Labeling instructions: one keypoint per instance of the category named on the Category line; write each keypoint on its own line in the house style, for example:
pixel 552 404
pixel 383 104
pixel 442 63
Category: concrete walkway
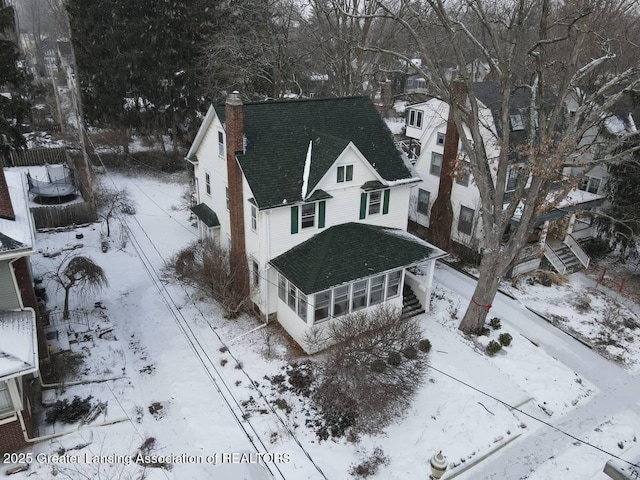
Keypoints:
pixel 618 390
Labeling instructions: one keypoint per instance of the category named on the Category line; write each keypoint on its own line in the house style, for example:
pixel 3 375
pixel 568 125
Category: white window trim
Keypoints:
pixel 308 216
pixel 221 148
pixel 5 395
pixel 343 173
pixel 435 155
pixel 473 214
pixel 207 183
pixel 254 218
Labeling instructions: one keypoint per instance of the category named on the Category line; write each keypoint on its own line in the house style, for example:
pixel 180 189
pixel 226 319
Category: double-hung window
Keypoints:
pixel 415 118
pixel 282 288
pixel 322 303
pixel 465 221
pixel 308 215
pixel 436 164
pixel 376 290
pixel 359 298
pixel 393 284
pixel 345 173
pixel 423 202
pixel 375 201
pixel 221 144
pixel 340 300
pixel 207 182
pixel 254 218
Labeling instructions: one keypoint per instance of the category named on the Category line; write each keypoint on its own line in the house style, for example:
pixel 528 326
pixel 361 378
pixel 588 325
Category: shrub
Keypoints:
pixel 505 339
pixel 370 466
pixel 424 345
pixel 493 347
pixel 65 412
pixel 410 352
pixel 495 323
pixel 484 331
pixel 394 359
pixel 364 381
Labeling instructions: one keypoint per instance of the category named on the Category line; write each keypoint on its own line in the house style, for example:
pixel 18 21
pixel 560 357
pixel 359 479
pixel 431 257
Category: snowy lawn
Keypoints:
pixel 179 380
pixel 588 312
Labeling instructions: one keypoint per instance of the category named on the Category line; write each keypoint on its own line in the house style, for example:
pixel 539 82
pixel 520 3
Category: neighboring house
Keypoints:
pixel 554 237
pixel 314 195
pixel 21 332
pixel 622 120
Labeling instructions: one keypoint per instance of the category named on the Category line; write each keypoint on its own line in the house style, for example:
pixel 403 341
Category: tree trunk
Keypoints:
pixel 483 295
pixel 65 311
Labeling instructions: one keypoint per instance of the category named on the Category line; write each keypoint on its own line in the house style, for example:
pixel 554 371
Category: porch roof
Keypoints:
pixel 350 251
pixel 204 213
pixel 18 344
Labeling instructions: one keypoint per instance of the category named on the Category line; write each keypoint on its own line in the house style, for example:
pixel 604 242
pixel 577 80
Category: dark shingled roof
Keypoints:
pixel 347 252
pixel 208 216
pixel 7 243
pixel 278 135
pixel 490 94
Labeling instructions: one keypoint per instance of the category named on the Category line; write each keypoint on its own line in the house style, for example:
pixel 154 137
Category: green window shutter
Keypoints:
pixel 363 205
pixel 385 202
pixel 294 219
pixel 321 213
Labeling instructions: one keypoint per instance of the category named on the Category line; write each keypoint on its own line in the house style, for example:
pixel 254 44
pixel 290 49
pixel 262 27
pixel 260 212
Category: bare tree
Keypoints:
pixel 334 34
pixel 208 266
pixel 551 50
pixel 111 203
pixel 80 273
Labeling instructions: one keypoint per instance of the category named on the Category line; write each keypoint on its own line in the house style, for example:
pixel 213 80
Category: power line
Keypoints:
pixel 331 317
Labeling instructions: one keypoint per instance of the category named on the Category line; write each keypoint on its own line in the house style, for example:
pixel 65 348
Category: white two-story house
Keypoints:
pixel 315 196
pixel 427 125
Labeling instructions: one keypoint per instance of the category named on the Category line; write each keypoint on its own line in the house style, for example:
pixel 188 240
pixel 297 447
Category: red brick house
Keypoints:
pixel 21 331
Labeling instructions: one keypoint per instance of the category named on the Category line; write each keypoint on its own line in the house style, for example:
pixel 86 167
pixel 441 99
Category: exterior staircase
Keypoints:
pixel 410 304
pixel 566 257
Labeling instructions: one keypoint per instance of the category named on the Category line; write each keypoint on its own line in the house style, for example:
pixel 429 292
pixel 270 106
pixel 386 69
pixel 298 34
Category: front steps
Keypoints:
pixel 411 306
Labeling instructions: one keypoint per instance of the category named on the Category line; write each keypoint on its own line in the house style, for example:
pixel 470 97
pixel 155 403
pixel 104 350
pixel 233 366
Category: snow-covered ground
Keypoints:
pixel 181 381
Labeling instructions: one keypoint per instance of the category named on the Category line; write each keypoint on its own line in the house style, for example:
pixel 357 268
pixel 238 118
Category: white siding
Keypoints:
pixel 9 298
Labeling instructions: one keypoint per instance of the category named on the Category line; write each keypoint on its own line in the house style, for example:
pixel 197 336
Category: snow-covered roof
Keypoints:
pixel 18 234
pixel 575 198
pixel 18 343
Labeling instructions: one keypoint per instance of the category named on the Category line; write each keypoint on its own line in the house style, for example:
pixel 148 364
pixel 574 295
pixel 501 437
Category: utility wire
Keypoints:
pixel 462 382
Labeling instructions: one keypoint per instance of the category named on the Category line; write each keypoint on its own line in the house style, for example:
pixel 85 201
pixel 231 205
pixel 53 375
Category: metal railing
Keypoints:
pixel 577 250
pixel 554 259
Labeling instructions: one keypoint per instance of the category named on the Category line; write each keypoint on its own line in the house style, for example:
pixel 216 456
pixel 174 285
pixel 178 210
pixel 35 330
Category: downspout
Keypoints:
pixel 267 265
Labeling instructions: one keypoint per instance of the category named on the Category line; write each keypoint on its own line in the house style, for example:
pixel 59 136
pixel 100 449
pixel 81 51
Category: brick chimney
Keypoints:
pixel 6 207
pixel 441 218
pixel 234 126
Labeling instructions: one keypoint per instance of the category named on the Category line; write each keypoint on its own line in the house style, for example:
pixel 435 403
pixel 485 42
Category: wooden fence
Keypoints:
pixel 36 156
pixel 63 215
pixel 53 216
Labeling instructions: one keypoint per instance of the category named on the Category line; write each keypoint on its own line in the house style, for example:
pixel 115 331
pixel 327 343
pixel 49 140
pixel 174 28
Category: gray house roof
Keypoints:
pixel 278 135
pixel 350 251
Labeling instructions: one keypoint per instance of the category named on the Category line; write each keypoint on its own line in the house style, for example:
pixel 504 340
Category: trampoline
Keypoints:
pixel 60 187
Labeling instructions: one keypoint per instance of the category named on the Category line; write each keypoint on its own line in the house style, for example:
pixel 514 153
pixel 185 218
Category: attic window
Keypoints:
pixel 221 144
pixel 415 118
pixel 441 137
pixel 345 173
pixel 517 125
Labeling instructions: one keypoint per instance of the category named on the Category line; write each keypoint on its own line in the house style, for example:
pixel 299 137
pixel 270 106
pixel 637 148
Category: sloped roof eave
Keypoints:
pixel 366 250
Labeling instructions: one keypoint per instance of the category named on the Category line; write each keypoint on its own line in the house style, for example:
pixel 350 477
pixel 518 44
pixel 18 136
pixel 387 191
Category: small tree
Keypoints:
pixel 80 272
pixel 113 202
pixel 208 266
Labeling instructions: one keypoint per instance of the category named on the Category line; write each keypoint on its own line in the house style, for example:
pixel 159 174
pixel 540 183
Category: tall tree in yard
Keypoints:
pixel 14 106
pixel 551 50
